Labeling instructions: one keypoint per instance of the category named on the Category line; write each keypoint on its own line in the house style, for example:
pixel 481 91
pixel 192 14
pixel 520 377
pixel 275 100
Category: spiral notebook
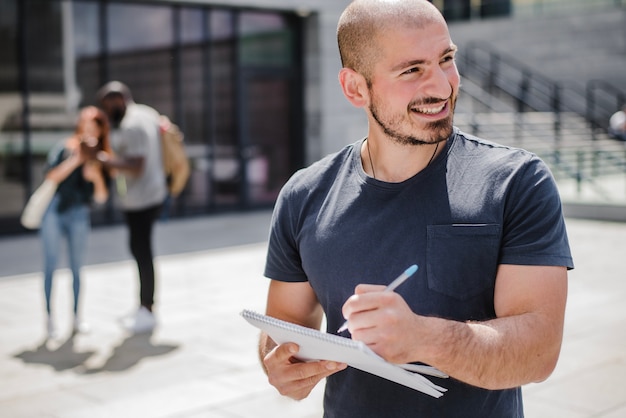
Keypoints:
pixel 316 345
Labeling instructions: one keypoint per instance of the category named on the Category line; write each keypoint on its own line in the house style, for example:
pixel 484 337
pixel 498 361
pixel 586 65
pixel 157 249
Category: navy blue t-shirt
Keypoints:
pixel 476 206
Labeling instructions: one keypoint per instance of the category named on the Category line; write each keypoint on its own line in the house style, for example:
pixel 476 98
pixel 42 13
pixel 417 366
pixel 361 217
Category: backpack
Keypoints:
pixel 175 161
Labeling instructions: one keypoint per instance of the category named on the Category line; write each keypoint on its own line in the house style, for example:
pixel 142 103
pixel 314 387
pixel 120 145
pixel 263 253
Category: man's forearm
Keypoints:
pixel 497 354
pixel 132 165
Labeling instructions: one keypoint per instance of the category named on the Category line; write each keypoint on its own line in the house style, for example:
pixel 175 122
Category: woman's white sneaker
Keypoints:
pixel 50 329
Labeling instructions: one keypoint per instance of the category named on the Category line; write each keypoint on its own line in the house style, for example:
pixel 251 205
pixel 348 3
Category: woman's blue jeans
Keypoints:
pixel 73 225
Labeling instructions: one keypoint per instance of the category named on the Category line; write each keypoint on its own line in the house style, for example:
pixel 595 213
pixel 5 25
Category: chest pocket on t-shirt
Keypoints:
pixel 462 259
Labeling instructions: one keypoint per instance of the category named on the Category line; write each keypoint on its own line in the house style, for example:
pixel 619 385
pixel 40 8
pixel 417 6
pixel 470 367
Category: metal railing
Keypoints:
pixel 590 167
pixel 499 74
pixel 586 162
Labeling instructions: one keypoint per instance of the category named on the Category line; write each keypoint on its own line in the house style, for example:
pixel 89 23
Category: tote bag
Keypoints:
pixel 175 160
pixel 37 205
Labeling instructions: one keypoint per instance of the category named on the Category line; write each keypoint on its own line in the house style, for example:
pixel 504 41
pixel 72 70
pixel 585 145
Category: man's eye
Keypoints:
pixel 411 70
pixel 448 58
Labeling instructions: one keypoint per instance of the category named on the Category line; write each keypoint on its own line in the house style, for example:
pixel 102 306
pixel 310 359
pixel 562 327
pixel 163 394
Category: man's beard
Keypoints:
pixel 116 116
pixel 437 131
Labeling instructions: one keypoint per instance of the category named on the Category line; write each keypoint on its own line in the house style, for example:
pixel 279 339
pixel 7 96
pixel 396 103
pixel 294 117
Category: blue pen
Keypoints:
pixel 390 288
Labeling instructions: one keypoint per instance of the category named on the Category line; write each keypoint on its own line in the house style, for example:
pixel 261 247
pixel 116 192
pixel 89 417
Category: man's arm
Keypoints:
pixel 520 346
pixel 297 303
pixel 136 145
pixel 131 165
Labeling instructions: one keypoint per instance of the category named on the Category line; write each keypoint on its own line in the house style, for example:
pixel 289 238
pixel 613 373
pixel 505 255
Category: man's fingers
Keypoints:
pixel 284 352
pixel 368 288
pixel 294 378
pixel 366 298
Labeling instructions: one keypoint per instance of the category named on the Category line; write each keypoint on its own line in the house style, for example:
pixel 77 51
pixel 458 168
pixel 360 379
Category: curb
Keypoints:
pixel 598 212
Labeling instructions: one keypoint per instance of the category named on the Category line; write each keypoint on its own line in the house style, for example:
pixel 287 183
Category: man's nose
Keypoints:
pixel 438 84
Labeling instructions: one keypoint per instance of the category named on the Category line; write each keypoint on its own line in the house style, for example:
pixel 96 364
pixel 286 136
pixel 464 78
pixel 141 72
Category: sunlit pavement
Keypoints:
pixel 201 360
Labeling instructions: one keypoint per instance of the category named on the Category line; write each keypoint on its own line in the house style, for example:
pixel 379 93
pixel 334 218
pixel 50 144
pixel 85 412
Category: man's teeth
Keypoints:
pixel 430 111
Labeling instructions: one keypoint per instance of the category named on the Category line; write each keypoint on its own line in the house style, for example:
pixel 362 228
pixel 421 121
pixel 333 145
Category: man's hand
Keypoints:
pixel 383 321
pixel 519 346
pixel 89 148
pixel 292 377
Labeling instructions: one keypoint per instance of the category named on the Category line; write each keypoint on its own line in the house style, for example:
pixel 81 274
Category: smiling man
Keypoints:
pixel 482 221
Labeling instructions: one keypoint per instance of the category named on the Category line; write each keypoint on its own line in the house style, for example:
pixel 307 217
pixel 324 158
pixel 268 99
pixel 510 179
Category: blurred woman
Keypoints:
pixel 81 180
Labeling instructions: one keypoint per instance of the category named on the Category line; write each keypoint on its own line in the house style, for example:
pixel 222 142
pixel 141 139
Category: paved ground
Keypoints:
pixel 201 361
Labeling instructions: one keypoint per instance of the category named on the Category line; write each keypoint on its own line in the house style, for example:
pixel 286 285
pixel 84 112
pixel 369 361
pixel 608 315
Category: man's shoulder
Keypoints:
pixel 136 112
pixel 476 141
pixel 475 159
pixel 322 170
pixel 468 145
pixel 140 121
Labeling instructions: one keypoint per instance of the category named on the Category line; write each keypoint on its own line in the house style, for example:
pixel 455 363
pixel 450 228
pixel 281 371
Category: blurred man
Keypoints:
pixel 141 185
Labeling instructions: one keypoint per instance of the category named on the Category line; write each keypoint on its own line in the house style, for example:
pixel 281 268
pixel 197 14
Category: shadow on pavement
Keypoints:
pixel 131 351
pixel 126 355
pixel 62 358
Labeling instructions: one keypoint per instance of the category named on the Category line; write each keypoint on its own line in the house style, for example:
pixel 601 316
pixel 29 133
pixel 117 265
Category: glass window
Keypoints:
pixel 226 78
pixel 192 113
pixel 86 28
pixel 266 133
pixel 12 190
pixel 191 25
pixel 87 49
pixel 137 26
pixel 140 38
pixel 8 52
pixel 221 24
pixel 49 119
pixel 44 45
pixel 193 58
pixel 258 22
pixel 264 40
pixel 225 179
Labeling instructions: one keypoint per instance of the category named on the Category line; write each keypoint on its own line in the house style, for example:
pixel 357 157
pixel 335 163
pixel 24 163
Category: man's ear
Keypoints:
pixel 354 87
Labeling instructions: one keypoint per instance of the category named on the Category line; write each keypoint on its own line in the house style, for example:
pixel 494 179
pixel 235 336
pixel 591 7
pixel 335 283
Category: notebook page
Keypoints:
pixel 316 345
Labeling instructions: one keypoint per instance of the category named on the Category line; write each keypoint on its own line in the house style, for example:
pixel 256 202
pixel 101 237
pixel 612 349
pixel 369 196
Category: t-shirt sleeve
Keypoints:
pixel 136 142
pixel 534 227
pixel 283 260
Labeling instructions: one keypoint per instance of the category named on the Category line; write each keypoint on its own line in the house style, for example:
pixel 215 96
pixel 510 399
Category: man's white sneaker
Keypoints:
pixel 143 321
pixel 80 327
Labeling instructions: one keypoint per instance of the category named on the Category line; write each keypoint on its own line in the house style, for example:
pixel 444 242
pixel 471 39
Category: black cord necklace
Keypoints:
pixel 369 155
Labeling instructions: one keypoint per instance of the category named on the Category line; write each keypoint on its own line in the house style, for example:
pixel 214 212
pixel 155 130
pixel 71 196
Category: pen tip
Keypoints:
pixel 411 269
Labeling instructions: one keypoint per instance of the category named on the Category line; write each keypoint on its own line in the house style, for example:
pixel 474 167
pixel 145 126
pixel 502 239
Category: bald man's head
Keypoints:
pixel 363 20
